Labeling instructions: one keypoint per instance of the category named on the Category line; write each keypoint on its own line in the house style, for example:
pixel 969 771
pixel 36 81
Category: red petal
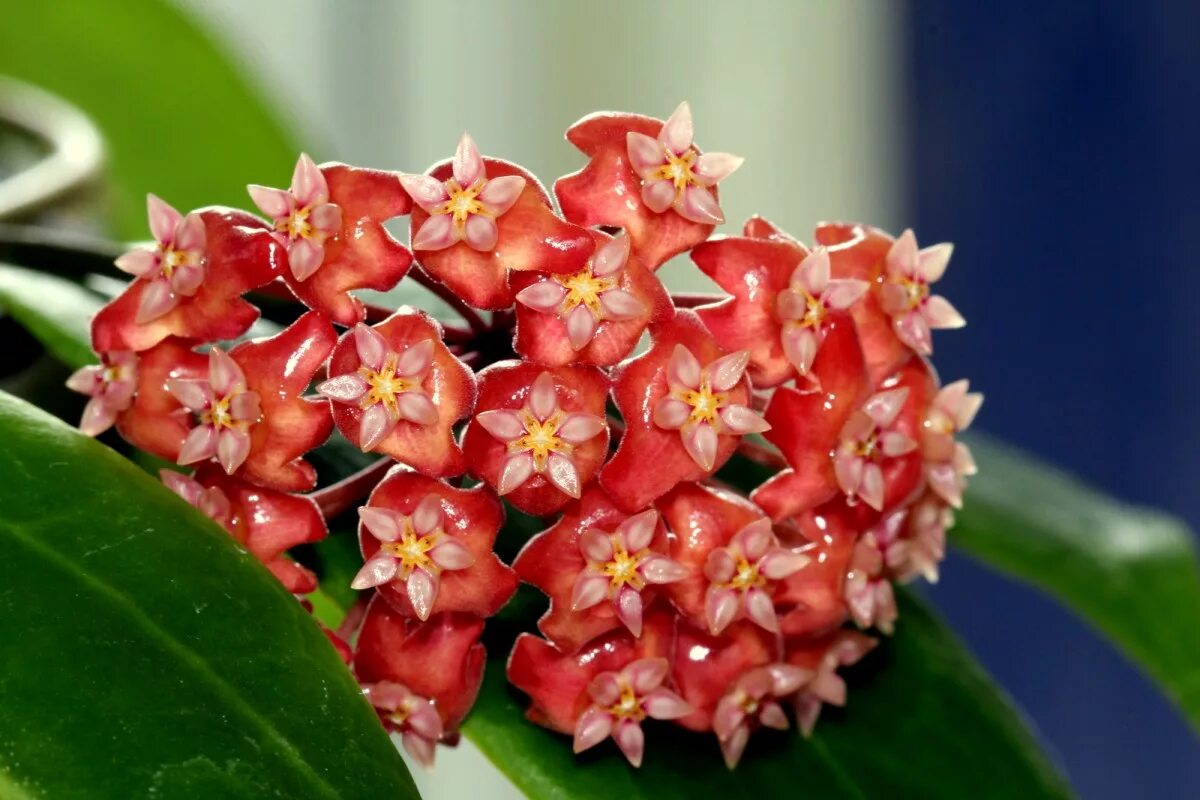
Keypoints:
pixel 705 667
pixel 363 255
pixel 542 337
pixel 473 518
pixel 241 255
pixel 280 369
pixel 556 682
pixel 506 384
pixel 607 192
pixel 858 251
pixel 806 426
pixel 441 659
pixel 430 449
pixel 649 459
pixel 552 561
pixel 266 522
pixel 701 519
pixel 813 599
pixel 757 227
pixel 754 271
pixel 531 238
pixel 156 422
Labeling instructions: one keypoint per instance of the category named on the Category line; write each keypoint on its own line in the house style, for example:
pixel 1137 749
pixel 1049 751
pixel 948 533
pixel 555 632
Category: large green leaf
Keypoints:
pixel 178 118
pixel 56 311
pixel 1131 572
pixel 923 721
pixel 145 655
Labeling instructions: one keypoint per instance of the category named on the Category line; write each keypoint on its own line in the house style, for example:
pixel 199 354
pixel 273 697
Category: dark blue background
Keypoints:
pixel 1055 144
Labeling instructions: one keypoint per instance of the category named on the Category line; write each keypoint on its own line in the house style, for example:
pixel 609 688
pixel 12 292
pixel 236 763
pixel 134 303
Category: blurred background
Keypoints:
pixel 1053 142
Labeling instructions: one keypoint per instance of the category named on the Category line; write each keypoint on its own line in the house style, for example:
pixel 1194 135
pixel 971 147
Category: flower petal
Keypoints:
pixel 195 394
pixel 503 424
pixel 720 608
pixel 701 445
pixel 683 369
pixel 581 327
pixel 422 592
pixel 417 407
pixel 348 388
pixel 578 428
pixel 515 472
pixel 427 192
pixel 544 296
pixel 375 426
pixel 275 203
pixel 371 347
pixel 452 554
pixel 638 530
pixel 427 516
pixel 562 473
pixel 232 449
pixel 499 194
pixel 140 262
pixel 164 219
pixel 665 704
pixel 620 304
pixel 543 397
pixel 671 414
pixel 761 610
pixel 658 195
pixel 660 569
pixel 467 164
pixel 379 569
pixel 677 133
pixel 629 737
pixel 699 204
pixel 611 257
pixel 715 167
pixel 590 589
pixel 308 184
pixel 645 154
pixel 940 314
pixel 741 419
pixel 157 299
pixel 200 445
pixel 436 233
pixel 304 258
pixel 593 727
pixel 842 294
pixel 381 523
pixel 932 261
pixel 629 609
pixel 480 233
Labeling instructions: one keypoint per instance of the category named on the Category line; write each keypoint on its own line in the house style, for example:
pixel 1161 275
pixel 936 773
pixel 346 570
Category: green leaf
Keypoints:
pixel 179 119
pixel 145 655
pixel 56 311
pixel 923 720
pixel 1131 572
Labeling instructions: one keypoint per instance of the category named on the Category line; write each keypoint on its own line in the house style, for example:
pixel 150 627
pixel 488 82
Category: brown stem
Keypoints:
pixel 692 299
pixel 343 495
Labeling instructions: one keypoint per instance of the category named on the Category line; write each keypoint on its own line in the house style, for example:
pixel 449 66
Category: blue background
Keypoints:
pixel 1055 144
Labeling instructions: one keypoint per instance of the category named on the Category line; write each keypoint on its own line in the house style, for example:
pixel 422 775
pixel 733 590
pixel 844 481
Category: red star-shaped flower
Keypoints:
pixel 396 389
pixel 477 218
pixel 594 316
pixel 189 283
pixel 538 435
pixel 428 547
pixel 647 177
pixel 331 222
pixel 600 567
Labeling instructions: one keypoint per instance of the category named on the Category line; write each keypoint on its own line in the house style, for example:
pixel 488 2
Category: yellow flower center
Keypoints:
pixel 296 225
pixel 915 291
pixel 628 706
pixel 867 448
pixel 622 570
pixel 385 385
pixel 814 312
pixel 705 402
pixel 219 415
pixel 463 202
pixel 412 551
pixel 747 576
pixel 584 288
pixel 171 259
pixel 678 170
pixel 541 438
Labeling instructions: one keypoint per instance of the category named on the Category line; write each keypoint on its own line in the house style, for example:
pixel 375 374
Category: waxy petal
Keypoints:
pixel 480 233
pixel 677 132
pixel 164 219
pixel 714 167
pixel 501 193
pixel 467 164
pixel 544 296
pixel 379 569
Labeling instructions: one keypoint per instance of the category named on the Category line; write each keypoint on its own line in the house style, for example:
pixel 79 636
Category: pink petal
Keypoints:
pixel 481 233
pixel 562 473
pixel 452 555
pixel 164 219
pixel 842 294
pixel 913 330
pixel 191 235
pixel 848 469
pixel 589 590
pixel 578 428
pixel 808 708
pixel 421 749
pixel 224 373
pixel 186 280
pixel 754 539
pixel 200 445
pixel 348 388
pixel 422 591
pixel 871 488
pixel 275 203
pixel 701 445
pixel 140 263
pixel 645 154
pixel 683 369
pixel 427 192
pixel 940 314
pixel 375 426
pixel 658 195
pixel 416 359
pixel 544 296
pixel 741 420
pixel 596 546
pixel 379 569
pixel 593 727
pixel 813 272
pixel 728 715
pixel 720 566
pixel 436 233
pixel 629 737
pixel 308 184
pixel 382 523
pixel 610 257
pixel 424 720
pixel 902 255
pixel 638 530
pixel 193 394
pixel 676 133
pixel 885 406
pixel 699 205
pixel 932 261
pixel 98 416
pixel 245 407
pixel 327 218
pixel 505 425
pixel 943 479
pixel 516 471
pixel 761 610
pixel 665 704
pixel 581 327
pixel 671 414
pixel 629 609
pixel 543 397
pixel 781 562
pixel 417 407
pixel 647 674
pixel 427 516
pixel 304 258
pixel 734 745
pixel 790 304
pixel 660 569
pixel 800 346
pixel 893 443
pixel 371 347
pixel 157 299
pixel 620 304
pixel 786 679
pixel 605 689
pixel 714 167
pixel 771 716
pixel 232 449
pixel 499 194
pixel 720 609
pixel 467 164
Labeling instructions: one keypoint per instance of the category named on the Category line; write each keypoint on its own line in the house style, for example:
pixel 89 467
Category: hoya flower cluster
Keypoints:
pixel 670 595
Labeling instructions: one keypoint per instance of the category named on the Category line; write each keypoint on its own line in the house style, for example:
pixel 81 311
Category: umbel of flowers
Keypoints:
pixel 670 595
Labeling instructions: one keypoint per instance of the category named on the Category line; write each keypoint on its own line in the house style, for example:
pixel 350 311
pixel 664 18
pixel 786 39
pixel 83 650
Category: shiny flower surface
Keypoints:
pixel 109 385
